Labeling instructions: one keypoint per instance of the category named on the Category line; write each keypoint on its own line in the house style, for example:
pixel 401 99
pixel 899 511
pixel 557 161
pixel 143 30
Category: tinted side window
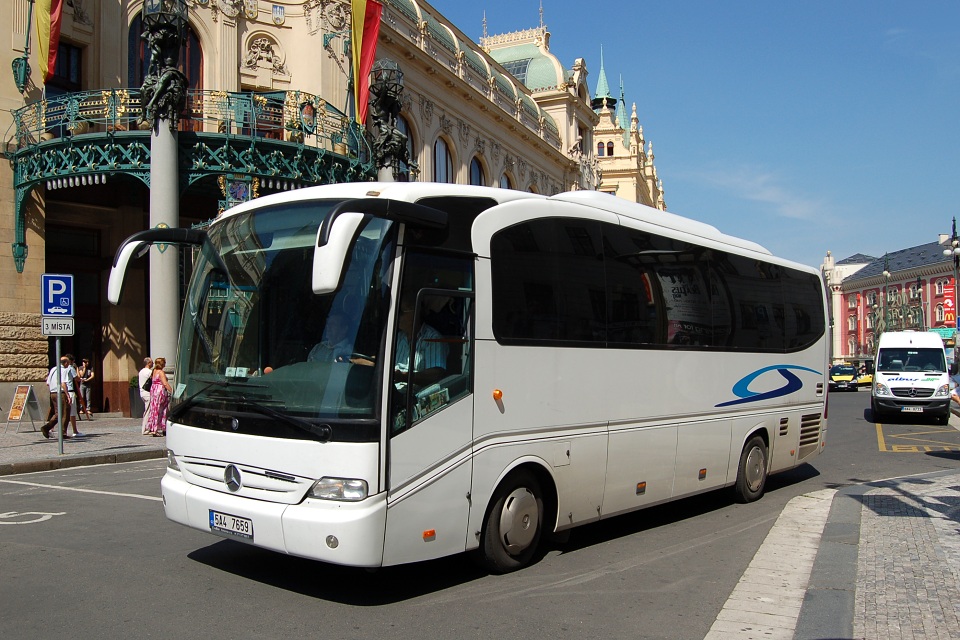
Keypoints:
pixel 757 312
pixel 548 283
pixel 803 312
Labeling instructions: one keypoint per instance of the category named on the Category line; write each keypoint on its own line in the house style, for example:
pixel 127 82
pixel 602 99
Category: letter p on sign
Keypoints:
pixel 56 294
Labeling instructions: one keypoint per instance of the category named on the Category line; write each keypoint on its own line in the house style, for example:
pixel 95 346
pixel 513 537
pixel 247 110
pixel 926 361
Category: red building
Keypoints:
pixel 911 288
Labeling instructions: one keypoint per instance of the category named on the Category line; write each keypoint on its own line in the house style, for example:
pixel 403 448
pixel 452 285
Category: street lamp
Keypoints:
pixel 886 291
pixel 390 143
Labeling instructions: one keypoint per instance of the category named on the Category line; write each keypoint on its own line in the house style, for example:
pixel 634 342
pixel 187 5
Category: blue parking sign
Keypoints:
pixel 56 295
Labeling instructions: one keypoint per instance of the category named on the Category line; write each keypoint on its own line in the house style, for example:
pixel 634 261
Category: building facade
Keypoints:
pixel 268 109
pixel 908 289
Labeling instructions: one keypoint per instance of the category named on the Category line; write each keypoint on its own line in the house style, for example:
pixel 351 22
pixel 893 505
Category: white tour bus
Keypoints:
pixel 575 357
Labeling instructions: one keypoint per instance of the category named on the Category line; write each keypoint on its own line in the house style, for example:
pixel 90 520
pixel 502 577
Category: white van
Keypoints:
pixel 911 376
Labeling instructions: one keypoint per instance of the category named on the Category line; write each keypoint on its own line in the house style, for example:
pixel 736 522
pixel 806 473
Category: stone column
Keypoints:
pixel 163 98
pixel 164 311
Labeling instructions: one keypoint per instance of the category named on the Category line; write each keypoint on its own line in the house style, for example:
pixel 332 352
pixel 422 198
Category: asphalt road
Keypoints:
pixel 87 552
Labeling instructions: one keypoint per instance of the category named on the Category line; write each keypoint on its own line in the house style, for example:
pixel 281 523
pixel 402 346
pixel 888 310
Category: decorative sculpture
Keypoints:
pixel 389 142
pixel 164 91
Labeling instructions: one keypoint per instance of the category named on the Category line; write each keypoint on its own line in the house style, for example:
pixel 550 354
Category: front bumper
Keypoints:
pixel 938 407
pixel 337 532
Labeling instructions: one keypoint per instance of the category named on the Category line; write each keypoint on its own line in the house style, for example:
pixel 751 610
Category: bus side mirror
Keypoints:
pixel 137 245
pixel 329 258
pixel 119 269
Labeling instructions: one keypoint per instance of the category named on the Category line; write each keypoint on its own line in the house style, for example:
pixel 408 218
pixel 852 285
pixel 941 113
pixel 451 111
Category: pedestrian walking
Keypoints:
pixel 146 373
pixel 160 391
pixel 73 388
pixel 58 392
pixel 86 386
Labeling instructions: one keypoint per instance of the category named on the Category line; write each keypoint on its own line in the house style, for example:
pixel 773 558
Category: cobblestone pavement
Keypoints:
pixel 909 560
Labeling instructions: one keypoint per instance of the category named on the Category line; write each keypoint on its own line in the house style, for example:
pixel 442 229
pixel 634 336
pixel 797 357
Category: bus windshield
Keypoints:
pixel 260 353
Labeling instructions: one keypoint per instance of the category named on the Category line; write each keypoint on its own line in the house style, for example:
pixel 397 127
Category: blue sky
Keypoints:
pixel 804 126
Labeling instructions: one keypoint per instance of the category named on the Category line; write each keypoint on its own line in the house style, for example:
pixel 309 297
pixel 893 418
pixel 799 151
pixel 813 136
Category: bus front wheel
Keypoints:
pixel 513 524
pixel 752 472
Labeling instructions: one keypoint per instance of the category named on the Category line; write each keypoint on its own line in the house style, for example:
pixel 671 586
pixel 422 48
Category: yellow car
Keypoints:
pixel 843 377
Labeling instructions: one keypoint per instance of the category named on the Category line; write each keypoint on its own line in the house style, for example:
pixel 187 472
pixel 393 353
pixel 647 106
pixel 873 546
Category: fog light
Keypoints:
pixel 332 542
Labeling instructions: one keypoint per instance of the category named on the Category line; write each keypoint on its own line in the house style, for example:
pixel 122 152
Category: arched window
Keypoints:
pixel 477 176
pixel 940 315
pixel 869 321
pixel 191 64
pixel 442 162
pixel 851 346
pixel 940 284
pixel 599 148
pixel 610 148
pixel 852 323
pixel 505 182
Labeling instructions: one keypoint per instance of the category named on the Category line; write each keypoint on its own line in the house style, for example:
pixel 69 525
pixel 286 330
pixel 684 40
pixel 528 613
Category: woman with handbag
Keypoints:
pixel 144 380
pixel 160 391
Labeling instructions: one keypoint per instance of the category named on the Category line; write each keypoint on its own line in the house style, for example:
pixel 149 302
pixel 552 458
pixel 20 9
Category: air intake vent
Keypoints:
pixel 784 426
pixel 809 434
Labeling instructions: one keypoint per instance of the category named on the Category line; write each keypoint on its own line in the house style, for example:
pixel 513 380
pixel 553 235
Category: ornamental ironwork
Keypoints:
pixel 284 139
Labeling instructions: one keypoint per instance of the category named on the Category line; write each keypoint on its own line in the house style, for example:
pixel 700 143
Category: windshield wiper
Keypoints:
pixel 188 402
pixel 323 431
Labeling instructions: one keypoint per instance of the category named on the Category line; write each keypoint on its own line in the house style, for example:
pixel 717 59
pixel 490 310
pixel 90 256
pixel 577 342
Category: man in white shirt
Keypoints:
pixel 145 374
pixel 59 392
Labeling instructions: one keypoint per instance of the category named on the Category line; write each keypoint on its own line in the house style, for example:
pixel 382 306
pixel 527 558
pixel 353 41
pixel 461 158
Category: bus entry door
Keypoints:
pixel 430 464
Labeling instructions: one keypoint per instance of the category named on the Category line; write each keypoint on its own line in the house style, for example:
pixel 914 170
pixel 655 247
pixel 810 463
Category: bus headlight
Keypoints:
pixel 172 461
pixel 943 391
pixel 880 389
pixel 342 489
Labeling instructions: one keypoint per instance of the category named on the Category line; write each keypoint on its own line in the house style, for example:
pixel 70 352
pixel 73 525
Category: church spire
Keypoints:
pixel 602 97
pixel 622 109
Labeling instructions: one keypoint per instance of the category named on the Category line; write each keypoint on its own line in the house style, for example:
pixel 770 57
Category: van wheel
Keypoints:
pixel 513 524
pixel 752 471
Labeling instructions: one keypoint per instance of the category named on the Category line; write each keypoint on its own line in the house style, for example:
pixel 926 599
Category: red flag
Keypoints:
pixel 364 51
pixel 49 14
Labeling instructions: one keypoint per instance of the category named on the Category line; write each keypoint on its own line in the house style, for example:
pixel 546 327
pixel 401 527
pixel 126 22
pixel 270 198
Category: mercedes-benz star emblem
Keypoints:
pixel 231 475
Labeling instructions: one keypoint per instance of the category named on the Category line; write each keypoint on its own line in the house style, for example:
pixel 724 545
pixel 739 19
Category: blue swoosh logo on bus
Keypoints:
pixel 742 388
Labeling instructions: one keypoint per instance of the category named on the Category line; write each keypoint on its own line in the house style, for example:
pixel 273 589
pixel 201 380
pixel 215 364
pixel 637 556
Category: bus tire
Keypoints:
pixel 752 471
pixel 514 522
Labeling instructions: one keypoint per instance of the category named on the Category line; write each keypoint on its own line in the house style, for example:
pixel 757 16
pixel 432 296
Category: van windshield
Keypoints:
pixel 896 360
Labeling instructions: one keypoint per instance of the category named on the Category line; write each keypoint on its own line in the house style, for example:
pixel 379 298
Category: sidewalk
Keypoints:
pixel 877 561
pixel 108 438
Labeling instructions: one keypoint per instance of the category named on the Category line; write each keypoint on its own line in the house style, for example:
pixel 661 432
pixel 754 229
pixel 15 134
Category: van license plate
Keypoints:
pixel 912 409
pixel 233 525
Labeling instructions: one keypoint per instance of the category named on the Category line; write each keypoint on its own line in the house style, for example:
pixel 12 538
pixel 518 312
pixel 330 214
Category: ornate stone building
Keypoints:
pixel 267 109
pixel 625 160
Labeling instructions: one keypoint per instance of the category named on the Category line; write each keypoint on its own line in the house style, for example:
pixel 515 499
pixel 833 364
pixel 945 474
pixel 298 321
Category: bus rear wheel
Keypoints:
pixel 752 471
pixel 512 529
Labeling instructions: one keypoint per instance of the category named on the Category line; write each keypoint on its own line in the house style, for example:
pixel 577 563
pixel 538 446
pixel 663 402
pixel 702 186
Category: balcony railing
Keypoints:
pixel 293 116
